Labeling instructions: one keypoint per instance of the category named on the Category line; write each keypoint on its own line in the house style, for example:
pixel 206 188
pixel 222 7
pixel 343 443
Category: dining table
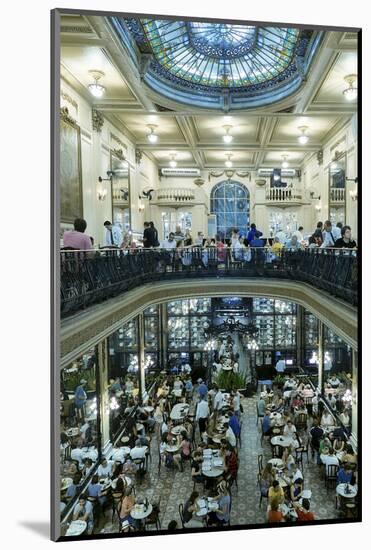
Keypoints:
pixel 346 490
pixel 76 528
pixel 179 411
pixel 212 464
pixel 206 505
pixel 282 440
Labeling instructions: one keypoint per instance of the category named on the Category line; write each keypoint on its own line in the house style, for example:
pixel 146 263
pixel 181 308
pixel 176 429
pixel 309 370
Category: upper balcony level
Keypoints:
pixel 337 196
pixel 120 195
pixel 282 196
pixel 87 278
pixel 175 197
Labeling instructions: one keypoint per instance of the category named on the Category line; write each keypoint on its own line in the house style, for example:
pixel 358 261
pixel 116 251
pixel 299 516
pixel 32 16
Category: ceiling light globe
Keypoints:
pixel 228 163
pixel 285 164
pixel 97 90
pixel 152 138
pixel 303 140
pixel 227 138
pixel 350 94
pixel 173 164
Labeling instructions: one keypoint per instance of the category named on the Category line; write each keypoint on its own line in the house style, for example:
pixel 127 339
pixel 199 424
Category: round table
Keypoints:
pixel 73 432
pixel 76 528
pixel 139 513
pixel 120 454
pixel 275 416
pixel 227 368
pixel 211 466
pixel 172 448
pixel 149 409
pixel 179 411
pixel 125 439
pixel 66 482
pixel 206 505
pixel 341 490
pixel 282 440
pixel 140 427
pixel 177 429
pixel 276 463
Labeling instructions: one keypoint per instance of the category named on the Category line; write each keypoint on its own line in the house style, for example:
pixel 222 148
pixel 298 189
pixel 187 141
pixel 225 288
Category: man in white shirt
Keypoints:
pixel 104 468
pixel 332 401
pixel 113 235
pixel 229 435
pixel 289 430
pixel 169 243
pixel 328 238
pixel 299 234
pixel 280 365
pixel 218 401
pixel 329 459
pixel 138 451
pixel 202 414
pixel 178 384
pixel 237 403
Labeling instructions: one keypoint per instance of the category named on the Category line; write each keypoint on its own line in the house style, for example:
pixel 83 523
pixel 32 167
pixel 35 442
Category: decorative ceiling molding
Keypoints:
pixel 119 141
pixel 69 100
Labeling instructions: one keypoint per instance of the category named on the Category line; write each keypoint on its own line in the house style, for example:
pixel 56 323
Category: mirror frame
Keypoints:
pixel 117 154
pixel 338 156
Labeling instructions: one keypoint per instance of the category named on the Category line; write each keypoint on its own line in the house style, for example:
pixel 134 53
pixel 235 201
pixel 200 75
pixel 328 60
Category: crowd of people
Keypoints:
pixel 326 235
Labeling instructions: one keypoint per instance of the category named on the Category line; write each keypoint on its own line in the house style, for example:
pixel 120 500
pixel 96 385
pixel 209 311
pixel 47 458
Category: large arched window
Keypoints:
pixel 230 201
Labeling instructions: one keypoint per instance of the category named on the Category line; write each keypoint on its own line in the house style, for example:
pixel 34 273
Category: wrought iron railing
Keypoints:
pixel 89 277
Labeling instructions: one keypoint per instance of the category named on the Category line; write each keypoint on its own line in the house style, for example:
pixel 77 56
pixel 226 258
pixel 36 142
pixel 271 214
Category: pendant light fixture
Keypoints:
pixel 227 138
pixel 173 163
pixel 351 92
pixel 303 138
pixel 228 163
pixel 152 136
pixel 284 164
pixel 96 89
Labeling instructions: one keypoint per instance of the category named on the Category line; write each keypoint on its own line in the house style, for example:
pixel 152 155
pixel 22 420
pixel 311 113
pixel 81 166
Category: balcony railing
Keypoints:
pixel 337 195
pixel 293 195
pixel 89 277
pixel 120 194
pixel 178 196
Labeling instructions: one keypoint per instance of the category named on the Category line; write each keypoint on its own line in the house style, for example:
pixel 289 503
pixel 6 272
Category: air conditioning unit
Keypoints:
pixel 285 172
pixel 180 172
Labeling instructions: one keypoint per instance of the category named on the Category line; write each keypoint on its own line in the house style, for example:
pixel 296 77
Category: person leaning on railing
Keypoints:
pixel 76 239
pixel 346 238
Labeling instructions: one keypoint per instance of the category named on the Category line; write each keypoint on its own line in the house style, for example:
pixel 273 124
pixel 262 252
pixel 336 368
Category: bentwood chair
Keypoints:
pixel 331 473
pixel 181 515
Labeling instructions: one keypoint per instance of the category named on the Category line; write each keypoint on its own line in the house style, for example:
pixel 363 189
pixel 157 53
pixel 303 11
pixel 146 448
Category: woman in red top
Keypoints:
pixel 231 464
pixel 274 514
pixel 303 511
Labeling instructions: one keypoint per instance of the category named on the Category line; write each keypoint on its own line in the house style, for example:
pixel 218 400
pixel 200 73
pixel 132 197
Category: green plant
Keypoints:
pixel 279 380
pixel 228 380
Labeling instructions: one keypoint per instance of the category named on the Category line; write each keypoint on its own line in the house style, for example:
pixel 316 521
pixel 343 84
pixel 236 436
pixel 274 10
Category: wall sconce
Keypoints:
pixel 102 194
pixel 141 207
pixel 353 194
pixel 318 207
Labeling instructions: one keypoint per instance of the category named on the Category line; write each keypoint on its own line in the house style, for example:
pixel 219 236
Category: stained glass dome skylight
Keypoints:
pixel 220 65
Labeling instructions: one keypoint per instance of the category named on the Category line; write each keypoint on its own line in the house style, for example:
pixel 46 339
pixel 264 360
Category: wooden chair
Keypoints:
pixel 239 441
pixel 277 451
pixel 154 517
pixel 262 494
pixel 260 465
pixel 331 472
pixel 181 515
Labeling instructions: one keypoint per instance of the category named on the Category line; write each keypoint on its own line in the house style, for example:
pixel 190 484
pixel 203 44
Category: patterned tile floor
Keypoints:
pixel 175 487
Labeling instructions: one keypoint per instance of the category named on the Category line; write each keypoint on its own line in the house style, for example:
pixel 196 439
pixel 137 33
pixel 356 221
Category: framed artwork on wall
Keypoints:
pixel 70 169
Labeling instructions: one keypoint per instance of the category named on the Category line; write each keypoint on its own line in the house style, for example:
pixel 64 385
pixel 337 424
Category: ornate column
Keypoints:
pixel 103 397
pixel 163 335
pixel 321 357
pixel 354 436
pixel 141 359
pixel 300 336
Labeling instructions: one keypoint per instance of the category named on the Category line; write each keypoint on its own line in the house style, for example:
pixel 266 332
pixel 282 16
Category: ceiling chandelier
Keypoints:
pixel 284 164
pixel 351 92
pixel 227 138
pixel 303 138
pixel 97 90
pixel 173 163
pixel 228 163
pixel 152 137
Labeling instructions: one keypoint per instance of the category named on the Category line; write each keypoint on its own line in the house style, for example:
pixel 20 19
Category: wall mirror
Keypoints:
pixel 120 168
pixel 337 189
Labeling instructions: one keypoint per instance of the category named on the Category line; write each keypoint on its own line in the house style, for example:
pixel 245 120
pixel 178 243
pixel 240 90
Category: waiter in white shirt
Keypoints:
pixel 113 235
